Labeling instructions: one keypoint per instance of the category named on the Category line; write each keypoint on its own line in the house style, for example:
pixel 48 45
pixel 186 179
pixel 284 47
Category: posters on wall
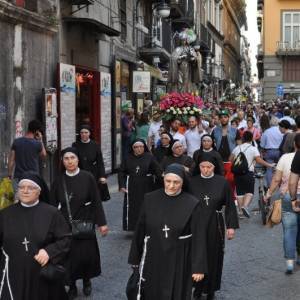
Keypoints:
pixel 141 82
pixel 67 104
pixel 106 137
pixel 118 76
pixel 50 98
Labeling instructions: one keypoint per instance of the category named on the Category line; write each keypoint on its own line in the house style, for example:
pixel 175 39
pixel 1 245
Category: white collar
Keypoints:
pixel 208 177
pixel 211 149
pixel 86 141
pixel 73 174
pixel 30 205
pixel 174 194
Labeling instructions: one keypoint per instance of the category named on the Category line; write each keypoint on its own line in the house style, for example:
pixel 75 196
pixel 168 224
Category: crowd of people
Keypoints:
pixel 186 189
pixel 220 148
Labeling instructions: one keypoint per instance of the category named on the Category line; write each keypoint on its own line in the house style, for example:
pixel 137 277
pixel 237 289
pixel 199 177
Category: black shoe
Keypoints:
pixel 246 212
pixel 72 293
pixel 87 287
pixel 288 272
pixel 210 296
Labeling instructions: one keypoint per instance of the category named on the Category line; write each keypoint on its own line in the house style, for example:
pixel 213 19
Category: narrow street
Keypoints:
pixel 253 269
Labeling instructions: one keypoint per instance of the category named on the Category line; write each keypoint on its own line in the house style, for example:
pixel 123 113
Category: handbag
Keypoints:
pixel 52 272
pixel 104 192
pixel 81 230
pixel 274 215
pixel 132 287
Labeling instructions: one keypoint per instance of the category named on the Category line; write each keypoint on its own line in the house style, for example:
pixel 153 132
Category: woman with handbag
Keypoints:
pixel 75 193
pixel 290 219
pixel 168 250
pixel 91 159
pixel 35 240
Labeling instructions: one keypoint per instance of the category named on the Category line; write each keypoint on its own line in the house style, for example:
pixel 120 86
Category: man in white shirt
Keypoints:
pixel 193 136
pixel 241 117
pixel 153 133
pixel 287 116
pixel 176 134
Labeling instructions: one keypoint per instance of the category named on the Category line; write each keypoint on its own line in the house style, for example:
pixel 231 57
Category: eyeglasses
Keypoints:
pixel 28 188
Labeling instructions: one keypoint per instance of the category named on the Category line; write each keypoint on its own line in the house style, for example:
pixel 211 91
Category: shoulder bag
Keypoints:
pixel 274 215
pixel 81 230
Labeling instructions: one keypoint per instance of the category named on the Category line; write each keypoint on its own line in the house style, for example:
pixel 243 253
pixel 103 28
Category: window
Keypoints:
pixel 156 30
pixel 291 29
pixel 123 18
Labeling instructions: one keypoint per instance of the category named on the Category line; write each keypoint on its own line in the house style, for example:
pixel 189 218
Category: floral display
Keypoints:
pixel 180 105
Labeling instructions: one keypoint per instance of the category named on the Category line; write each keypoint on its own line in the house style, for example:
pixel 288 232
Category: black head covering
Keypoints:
pixel 206 156
pixel 179 170
pixel 169 135
pixel 69 149
pixel 213 142
pixel 146 149
pixel 170 150
pixel 176 169
pixel 86 127
pixel 44 195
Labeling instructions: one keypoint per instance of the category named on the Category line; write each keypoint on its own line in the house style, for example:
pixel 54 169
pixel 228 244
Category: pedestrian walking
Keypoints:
pixel 174 131
pixel 285 129
pixel 255 131
pixel 26 152
pixel 166 139
pixel 176 155
pixel 208 146
pixel 290 218
pixel 136 178
pixel 288 145
pixel 34 238
pixel 75 192
pixel 270 143
pixel 244 174
pixel 127 131
pixel 154 130
pixel 90 155
pixel 169 245
pixel 142 126
pixel 214 192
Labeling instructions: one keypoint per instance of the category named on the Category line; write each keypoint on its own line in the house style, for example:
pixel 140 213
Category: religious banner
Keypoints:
pixel 67 105
pixel 141 82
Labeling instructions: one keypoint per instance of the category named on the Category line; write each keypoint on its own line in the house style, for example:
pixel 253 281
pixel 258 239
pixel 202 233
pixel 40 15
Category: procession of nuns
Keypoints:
pixel 177 222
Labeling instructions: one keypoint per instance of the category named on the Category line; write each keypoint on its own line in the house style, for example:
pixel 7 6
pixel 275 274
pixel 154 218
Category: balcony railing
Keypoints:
pixel 288 48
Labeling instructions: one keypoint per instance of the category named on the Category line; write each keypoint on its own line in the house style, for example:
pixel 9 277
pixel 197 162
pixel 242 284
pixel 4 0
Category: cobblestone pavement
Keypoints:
pixel 253 269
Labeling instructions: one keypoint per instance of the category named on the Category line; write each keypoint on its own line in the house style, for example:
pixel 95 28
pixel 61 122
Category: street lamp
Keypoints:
pixel 163 9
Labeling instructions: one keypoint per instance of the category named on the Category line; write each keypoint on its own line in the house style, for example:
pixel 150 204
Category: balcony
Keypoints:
pixel 82 2
pixel 260 5
pixel 288 48
pixel 178 8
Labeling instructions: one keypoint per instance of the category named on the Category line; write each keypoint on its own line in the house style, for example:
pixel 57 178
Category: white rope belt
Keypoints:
pixel 6 275
pixel 183 237
pixel 142 266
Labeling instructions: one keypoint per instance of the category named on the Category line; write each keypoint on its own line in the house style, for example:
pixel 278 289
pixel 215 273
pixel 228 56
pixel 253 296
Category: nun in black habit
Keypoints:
pixel 85 205
pixel 136 178
pixel 176 155
pixel 169 243
pixel 33 237
pixel 203 187
pixel 90 155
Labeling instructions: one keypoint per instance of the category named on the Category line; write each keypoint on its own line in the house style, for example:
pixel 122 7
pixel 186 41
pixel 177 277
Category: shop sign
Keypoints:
pixel 141 82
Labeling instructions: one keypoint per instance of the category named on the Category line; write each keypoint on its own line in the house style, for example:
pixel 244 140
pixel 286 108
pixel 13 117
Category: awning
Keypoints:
pixel 99 27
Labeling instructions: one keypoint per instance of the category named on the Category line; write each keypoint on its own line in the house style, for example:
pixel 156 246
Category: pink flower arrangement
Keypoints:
pixel 180 105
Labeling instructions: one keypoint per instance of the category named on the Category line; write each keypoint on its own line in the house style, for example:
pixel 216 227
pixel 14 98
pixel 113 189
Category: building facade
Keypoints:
pixel 278 56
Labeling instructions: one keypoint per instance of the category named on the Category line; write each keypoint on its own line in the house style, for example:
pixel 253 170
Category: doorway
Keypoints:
pixel 88 101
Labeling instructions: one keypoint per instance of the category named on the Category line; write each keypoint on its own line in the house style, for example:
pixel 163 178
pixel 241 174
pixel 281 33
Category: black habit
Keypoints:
pixel 86 205
pixel 160 152
pixel 219 168
pixel 169 245
pixel 90 158
pixel 137 176
pixel 23 232
pixel 214 193
pixel 184 160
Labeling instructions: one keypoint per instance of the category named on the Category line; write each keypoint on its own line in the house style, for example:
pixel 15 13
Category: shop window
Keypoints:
pixel 123 20
pixel 291 69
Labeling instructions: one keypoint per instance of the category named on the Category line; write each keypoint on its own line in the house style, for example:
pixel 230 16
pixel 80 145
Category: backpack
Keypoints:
pixel 240 164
